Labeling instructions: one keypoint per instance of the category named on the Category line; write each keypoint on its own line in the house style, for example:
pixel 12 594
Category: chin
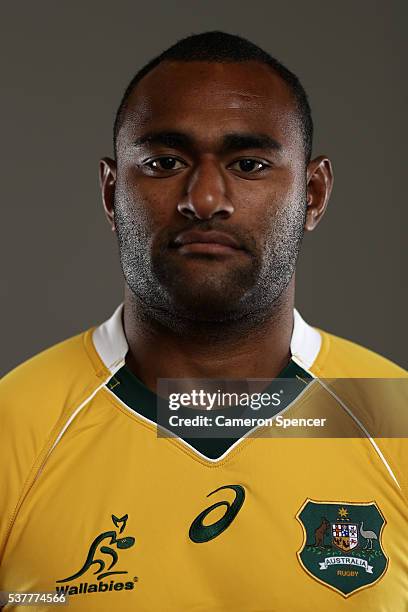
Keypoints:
pixel 203 292
pixel 207 305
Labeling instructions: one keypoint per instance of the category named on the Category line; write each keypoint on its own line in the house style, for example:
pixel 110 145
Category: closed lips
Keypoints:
pixel 209 237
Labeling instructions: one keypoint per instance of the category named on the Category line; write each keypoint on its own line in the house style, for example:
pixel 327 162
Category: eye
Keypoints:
pixel 165 163
pixel 249 165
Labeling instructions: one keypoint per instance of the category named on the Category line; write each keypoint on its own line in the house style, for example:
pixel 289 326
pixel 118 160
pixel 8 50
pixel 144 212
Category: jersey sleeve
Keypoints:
pixel 35 398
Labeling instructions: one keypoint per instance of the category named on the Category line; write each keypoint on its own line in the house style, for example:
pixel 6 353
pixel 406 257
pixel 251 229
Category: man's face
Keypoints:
pixel 210 194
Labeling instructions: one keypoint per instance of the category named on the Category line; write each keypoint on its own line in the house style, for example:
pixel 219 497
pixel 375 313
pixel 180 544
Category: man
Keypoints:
pixel 210 191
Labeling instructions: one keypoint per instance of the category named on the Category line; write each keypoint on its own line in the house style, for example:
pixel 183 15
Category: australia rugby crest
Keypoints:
pixel 342 545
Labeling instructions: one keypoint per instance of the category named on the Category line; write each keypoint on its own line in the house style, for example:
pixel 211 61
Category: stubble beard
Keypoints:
pixel 244 293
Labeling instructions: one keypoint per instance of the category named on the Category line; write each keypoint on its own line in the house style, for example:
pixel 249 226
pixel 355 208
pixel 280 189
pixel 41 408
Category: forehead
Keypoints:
pixel 207 99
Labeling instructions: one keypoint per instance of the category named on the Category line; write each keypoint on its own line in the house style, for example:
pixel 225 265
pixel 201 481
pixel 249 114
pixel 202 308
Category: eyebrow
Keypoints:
pixel 236 142
pixel 230 142
pixel 174 140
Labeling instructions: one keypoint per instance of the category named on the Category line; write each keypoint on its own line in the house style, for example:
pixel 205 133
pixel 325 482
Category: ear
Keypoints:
pixel 319 186
pixel 107 181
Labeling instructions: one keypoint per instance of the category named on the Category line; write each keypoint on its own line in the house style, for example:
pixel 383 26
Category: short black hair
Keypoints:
pixel 221 47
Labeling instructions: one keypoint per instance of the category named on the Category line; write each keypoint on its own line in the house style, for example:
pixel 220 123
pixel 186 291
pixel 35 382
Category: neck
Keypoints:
pixel 256 346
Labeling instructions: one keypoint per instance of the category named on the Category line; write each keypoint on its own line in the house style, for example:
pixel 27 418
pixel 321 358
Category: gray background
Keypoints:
pixel 65 66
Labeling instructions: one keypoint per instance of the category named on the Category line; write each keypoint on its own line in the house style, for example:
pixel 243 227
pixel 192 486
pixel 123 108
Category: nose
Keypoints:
pixel 205 194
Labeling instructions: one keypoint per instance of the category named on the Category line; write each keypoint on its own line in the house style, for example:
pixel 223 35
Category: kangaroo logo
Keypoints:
pixel 120 543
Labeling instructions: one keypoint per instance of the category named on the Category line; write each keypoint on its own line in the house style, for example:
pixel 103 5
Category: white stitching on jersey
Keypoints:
pixel 73 415
pixel 195 451
pixel 374 444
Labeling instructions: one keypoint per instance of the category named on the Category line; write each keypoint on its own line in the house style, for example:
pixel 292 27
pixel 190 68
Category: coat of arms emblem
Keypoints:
pixel 342 544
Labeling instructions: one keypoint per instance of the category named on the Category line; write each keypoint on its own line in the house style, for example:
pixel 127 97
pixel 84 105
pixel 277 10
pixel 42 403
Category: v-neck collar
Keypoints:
pixel 111 345
pixel 292 381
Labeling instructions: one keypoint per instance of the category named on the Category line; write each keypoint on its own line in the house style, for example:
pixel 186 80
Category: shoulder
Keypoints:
pixel 38 393
pixel 54 373
pixel 341 358
pixel 36 398
pixel 344 360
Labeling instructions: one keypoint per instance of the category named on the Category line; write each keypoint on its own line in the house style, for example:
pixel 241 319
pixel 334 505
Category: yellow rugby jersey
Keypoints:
pixel 96 506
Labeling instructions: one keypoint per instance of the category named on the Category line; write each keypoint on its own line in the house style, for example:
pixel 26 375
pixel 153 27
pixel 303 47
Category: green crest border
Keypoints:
pixel 347 503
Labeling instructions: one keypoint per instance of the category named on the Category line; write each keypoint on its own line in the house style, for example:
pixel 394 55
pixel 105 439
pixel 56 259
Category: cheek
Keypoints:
pixel 151 202
pixel 290 183
pixel 266 209
pixel 258 202
pixel 287 194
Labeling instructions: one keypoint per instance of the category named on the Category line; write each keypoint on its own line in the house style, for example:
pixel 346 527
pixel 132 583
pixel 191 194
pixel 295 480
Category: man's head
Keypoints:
pixel 212 185
pixel 223 48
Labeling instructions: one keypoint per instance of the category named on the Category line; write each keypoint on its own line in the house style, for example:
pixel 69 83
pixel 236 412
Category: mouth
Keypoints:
pixel 206 243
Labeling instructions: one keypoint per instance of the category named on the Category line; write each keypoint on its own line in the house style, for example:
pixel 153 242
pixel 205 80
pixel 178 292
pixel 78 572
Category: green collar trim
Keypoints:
pixel 141 400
